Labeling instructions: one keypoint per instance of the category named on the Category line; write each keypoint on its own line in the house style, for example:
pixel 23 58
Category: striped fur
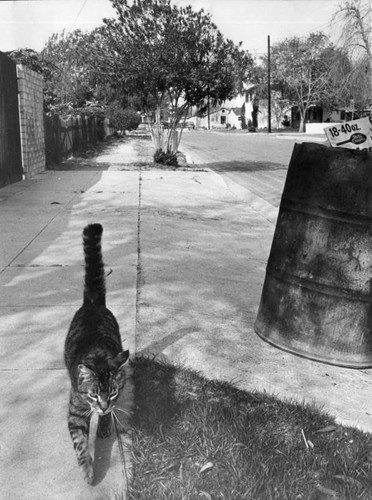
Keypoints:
pixel 93 356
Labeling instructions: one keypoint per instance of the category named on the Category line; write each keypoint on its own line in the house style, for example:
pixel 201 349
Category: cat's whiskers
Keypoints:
pixel 119 428
pixel 118 425
pixel 120 409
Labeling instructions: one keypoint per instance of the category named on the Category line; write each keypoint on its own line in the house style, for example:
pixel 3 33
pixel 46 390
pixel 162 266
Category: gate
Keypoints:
pixel 10 141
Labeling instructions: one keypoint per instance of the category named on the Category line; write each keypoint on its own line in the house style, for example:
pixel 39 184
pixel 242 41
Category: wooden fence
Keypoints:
pixel 67 136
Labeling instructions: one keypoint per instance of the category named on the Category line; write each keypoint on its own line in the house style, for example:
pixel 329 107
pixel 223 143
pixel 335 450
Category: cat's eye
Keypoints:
pixel 92 395
pixel 113 395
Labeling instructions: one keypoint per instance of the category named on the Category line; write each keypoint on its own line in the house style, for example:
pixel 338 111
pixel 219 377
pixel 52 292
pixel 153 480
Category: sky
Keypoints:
pixel 29 23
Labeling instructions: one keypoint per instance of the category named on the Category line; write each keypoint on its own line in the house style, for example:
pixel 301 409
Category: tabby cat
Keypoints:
pixel 93 356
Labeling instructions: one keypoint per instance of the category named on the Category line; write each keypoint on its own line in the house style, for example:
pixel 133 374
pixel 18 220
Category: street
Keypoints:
pixel 257 162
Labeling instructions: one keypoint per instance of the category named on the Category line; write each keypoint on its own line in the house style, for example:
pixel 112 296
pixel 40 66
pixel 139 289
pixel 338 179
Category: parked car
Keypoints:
pixel 190 125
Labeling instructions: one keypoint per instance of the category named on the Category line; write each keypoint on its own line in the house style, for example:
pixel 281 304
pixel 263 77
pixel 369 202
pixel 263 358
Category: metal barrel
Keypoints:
pixel 317 295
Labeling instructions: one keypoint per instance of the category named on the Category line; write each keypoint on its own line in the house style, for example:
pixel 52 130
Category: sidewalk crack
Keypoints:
pixel 36 235
pixel 139 263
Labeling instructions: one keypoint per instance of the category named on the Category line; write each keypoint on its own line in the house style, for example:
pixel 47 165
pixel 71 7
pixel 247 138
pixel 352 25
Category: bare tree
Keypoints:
pixel 300 70
pixel 355 19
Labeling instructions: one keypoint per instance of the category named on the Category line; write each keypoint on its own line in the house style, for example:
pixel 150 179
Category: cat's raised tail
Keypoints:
pixel 94 283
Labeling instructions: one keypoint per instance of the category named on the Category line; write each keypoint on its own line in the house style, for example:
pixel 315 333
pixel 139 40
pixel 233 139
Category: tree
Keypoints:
pixel 168 57
pixel 34 61
pixel 301 69
pixel 354 16
pixel 355 19
pixel 69 56
pixel 29 58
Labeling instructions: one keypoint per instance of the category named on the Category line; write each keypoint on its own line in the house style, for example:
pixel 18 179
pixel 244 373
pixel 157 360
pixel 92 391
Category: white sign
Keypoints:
pixel 356 134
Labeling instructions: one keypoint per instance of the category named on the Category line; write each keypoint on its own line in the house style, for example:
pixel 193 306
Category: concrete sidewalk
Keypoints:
pixel 188 254
pixel 41 281
pixel 204 248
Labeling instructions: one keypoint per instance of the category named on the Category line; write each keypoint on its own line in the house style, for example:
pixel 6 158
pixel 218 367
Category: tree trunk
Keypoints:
pixel 157 131
pixel 302 121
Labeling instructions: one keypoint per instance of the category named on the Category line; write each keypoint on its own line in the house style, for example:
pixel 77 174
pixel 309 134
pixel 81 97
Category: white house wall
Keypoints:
pixel 215 119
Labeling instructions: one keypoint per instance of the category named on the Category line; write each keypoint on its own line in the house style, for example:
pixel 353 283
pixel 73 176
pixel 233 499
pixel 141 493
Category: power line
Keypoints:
pixel 259 52
pixel 78 14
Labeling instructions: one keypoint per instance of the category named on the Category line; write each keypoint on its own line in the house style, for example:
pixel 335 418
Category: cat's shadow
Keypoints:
pixel 102 457
pixel 107 450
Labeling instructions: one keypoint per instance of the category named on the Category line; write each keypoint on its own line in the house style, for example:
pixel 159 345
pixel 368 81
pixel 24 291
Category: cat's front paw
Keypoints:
pixel 87 471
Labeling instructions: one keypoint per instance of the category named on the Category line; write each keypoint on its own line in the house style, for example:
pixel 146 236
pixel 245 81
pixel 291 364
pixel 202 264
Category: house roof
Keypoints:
pixel 228 109
pixel 203 115
pixel 236 102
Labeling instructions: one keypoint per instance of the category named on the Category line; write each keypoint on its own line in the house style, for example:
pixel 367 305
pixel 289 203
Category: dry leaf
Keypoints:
pixel 328 428
pixel 326 491
pixel 205 495
pixel 205 467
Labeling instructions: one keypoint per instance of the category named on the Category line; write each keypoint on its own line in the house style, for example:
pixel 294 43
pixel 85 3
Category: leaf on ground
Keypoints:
pixel 328 428
pixel 205 467
pixel 205 495
pixel 331 494
pixel 192 394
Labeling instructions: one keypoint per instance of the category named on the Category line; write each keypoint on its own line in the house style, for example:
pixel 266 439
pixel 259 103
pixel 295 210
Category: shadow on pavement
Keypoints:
pixel 41 277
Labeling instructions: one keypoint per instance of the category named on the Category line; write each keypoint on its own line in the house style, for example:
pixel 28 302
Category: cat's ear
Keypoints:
pixel 120 360
pixel 119 363
pixel 86 374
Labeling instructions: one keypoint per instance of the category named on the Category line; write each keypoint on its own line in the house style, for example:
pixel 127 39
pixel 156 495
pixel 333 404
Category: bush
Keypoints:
pixel 122 119
pixel 165 158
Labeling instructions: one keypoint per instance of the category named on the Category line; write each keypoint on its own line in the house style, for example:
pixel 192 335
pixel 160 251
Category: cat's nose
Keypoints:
pixel 104 405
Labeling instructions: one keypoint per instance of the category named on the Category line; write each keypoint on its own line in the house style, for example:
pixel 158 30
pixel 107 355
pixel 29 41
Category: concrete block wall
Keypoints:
pixel 30 88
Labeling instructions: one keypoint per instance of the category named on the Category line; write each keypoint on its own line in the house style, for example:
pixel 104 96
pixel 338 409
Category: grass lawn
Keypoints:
pixel 195 438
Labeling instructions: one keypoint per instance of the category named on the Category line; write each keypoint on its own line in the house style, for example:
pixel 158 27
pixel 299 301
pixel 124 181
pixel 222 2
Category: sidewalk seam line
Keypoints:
pixel 36 235
pixel 139 263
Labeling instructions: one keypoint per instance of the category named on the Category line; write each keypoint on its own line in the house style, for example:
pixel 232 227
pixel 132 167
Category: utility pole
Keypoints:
pixel 268 86
pixel 209 114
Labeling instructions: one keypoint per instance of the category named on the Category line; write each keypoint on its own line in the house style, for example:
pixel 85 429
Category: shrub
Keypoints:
pixel 122 119
pixel 165 158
